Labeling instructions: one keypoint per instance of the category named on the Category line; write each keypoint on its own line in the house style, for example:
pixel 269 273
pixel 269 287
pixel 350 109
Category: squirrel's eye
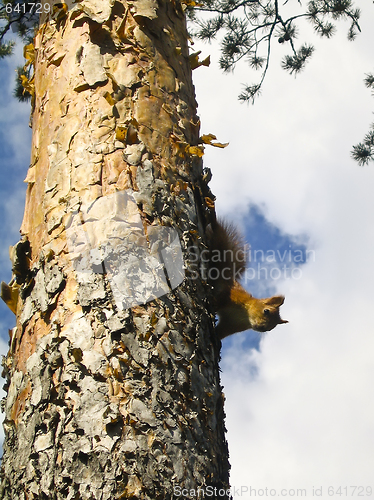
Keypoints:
pixel 266 311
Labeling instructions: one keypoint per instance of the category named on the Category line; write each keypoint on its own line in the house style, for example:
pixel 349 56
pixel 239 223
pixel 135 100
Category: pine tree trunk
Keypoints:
pixel 113 392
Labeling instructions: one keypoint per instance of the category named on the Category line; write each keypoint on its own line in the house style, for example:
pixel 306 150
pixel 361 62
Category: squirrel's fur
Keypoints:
pixel 237 309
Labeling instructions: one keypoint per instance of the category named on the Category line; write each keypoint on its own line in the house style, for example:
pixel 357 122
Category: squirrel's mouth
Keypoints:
pixel 261 329
pixel 267 328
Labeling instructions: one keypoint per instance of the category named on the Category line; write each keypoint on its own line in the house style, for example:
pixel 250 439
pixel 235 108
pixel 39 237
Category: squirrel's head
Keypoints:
pixel 264 313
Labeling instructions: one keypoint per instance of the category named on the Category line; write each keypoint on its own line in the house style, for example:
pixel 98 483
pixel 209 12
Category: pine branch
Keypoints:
pixel 294 64
pixel 6 49
pixel 363 152
pixel 369 81
pixel 19 91
pixel 247 25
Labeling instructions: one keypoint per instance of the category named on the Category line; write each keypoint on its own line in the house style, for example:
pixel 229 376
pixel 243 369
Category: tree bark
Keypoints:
pixel 113 392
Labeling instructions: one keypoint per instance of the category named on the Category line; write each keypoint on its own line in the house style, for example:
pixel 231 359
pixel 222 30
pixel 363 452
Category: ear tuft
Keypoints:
pixel 276 301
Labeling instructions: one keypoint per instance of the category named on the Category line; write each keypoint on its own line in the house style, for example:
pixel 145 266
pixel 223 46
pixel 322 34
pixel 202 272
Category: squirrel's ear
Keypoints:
pixel 276 301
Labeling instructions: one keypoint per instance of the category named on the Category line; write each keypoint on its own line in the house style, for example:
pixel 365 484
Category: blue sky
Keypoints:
pixel 299 406
pixel 273 254
pixel 15 141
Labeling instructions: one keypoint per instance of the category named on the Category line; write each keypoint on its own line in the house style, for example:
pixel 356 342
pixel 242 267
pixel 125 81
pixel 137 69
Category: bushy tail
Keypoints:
pixel 227 260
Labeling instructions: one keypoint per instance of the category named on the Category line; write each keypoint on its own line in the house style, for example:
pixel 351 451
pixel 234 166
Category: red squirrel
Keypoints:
pixel 237 309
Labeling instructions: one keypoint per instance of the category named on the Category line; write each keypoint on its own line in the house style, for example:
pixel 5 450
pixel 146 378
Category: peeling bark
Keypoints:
pixel 106 401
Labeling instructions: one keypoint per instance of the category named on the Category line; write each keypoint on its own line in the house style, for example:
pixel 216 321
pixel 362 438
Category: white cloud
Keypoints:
pixel 307 416
pixel 300 413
